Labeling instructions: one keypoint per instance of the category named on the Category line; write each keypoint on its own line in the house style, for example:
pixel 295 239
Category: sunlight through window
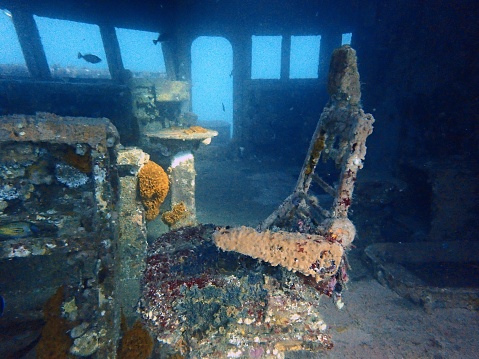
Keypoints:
pixel 346 38
pixel 266 57
pixel 12 61
pixel 304 60
pixel 212 81
pixel 64 41
pixel 139 53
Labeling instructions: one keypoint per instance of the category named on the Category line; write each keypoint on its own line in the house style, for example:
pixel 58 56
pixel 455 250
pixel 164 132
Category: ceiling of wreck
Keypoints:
pixel 205 16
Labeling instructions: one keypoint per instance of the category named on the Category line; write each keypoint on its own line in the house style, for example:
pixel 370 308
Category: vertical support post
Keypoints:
pixel 285 56
pixel 170 63
pixel 113 54
pixel 242 52
pixel 31 45
pixel 183 58
pixel 182 189
pixel 108 321
pixel 132 239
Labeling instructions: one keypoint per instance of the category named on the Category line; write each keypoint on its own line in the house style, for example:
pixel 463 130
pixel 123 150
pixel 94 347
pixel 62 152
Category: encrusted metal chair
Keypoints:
pixel 340 136
pixel 317 249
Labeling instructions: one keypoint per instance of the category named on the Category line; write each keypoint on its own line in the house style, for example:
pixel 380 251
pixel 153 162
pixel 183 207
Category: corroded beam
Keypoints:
pixel 31 44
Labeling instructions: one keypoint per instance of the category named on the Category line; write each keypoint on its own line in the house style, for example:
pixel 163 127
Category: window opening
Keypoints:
pixel 12 62
pixel 139 54
pixel 266 57
pixel 346 38
pixel 212 83
pixel 304 57
pixel 73 49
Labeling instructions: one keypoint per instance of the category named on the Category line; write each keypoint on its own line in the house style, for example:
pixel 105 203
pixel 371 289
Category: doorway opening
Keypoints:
pixel 212 83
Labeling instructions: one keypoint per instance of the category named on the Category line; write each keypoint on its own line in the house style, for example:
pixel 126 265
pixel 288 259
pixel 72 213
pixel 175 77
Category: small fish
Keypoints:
pixel 222 104
pixel 17 230
pixel 7 13
pixel 162 38
pixel 92 59
pixel 2 305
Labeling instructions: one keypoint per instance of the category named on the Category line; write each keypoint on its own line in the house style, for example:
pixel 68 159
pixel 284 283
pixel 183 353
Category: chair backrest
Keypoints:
pixel 340 136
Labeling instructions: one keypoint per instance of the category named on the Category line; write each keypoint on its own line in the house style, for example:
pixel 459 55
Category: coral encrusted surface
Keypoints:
pixel 201 302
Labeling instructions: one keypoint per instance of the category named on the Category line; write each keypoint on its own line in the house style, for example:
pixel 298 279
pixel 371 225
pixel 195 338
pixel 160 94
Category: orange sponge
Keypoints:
pixel 154 186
